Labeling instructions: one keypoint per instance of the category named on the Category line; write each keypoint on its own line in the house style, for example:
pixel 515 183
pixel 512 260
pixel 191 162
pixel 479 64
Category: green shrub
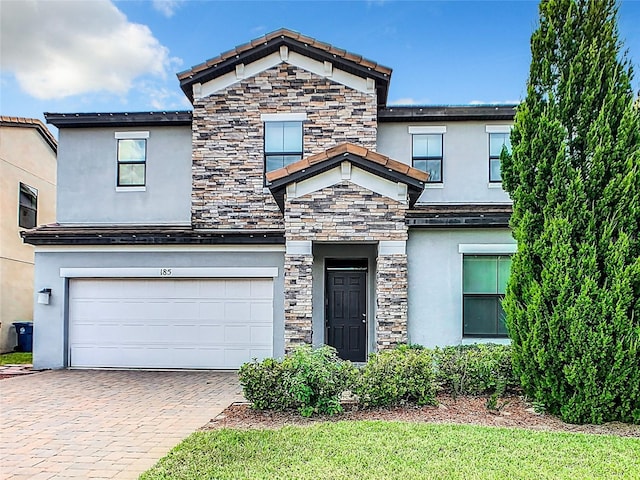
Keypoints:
pixel 397 376
pixel 474 369
pixel 310 380
pixel 263 384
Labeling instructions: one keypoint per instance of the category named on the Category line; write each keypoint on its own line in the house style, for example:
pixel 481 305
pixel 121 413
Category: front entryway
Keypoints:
pixel 346 308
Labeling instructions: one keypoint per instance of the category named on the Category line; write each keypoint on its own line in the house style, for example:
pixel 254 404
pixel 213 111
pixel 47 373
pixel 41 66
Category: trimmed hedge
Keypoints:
pixel 312 381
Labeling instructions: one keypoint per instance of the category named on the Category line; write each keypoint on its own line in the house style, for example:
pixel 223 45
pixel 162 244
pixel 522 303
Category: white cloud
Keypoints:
pixel 162 98
pixel 58 49
pixel 494 102
pixel 167 7
pixel 409 101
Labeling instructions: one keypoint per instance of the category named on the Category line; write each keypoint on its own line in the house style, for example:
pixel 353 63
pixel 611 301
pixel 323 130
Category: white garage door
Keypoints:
pixel 190 323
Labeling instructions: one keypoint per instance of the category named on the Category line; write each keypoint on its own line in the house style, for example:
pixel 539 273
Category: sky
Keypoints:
pixel 114 56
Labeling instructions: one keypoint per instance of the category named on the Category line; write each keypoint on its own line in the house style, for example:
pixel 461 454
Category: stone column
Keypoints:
pixel 391 294
pixel 298 284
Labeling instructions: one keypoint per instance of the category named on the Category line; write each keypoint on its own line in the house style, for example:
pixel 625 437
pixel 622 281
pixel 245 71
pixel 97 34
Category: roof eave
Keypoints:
pixel 119 119
pixel 188 79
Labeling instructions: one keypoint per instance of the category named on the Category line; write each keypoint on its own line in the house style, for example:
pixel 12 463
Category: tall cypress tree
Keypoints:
pixel 573 300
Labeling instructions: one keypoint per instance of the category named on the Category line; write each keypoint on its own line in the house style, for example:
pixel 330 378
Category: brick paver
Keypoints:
pixel 103 424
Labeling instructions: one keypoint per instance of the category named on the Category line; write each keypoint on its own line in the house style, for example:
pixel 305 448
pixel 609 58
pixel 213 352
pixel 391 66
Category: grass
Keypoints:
pixel 396 450
pixel 16 358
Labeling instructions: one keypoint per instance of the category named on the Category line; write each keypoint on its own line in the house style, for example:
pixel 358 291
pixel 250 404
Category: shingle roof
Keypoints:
pixel 40 127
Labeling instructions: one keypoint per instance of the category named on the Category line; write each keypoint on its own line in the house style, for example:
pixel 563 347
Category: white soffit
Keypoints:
pixel 498 128
pixel 347 171
pixel 168 271
pixel 364 85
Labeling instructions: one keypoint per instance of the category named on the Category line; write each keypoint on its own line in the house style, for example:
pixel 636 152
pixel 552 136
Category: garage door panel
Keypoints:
pixel 169 323
pixel 260 335
pixel 237 289
pixel 211 310
pixel 261 288
pixel 261 312
pixel 237 311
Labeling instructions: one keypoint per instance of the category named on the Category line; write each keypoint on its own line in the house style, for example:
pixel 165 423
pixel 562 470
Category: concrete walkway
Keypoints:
pixel 103 424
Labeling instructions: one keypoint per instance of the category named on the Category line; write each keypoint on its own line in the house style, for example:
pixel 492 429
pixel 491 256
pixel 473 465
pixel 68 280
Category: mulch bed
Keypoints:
pixel 515 411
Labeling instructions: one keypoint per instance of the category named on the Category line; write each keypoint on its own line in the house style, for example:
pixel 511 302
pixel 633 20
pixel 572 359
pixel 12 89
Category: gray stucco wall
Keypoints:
pixel 465 164
pixel 87 178
pixel 435 282
pixel 51 321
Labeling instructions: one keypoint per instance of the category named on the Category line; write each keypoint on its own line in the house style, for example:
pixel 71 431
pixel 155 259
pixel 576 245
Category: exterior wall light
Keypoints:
pixel 43 296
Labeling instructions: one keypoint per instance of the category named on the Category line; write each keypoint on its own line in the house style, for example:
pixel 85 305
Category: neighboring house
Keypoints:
pixel 27 199
pixel 291 205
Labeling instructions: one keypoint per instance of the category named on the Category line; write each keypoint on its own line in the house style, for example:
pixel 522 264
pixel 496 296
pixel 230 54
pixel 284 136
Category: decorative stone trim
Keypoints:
pixel 391 301
pixel 298 286
pixel 228 163
pixel 347 213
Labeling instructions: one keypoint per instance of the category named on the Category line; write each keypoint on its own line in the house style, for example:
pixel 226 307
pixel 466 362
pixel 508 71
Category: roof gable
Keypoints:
pixel 336 164
pixel 285 44
pixel 44 132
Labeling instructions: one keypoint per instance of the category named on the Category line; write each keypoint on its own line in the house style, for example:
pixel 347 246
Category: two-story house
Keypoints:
pixel 27 198
pixel 292 205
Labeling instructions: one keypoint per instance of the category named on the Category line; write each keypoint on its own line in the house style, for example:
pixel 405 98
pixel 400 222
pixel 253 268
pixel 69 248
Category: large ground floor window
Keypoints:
pixel 485 281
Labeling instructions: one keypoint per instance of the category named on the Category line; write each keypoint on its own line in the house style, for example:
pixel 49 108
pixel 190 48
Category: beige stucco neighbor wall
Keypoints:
pixel 228 140
pixel 24 157
pixel 346 213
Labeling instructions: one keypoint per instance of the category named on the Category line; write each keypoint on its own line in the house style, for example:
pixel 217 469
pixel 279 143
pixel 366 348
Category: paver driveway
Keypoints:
pixel 103 424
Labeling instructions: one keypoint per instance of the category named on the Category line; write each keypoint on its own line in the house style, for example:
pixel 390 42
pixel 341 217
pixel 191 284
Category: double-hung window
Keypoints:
pixel 282 144
pixel 497 141
pixel 28 207
pixel 427 155
pixel 484 283
pixel 132 159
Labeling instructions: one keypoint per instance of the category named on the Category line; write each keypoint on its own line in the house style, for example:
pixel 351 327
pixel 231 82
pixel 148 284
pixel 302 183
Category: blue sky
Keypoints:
pixel 99 55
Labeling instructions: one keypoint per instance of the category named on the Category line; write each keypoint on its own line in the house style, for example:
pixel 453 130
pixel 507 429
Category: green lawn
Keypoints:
pixel 16 357
pixel 394 450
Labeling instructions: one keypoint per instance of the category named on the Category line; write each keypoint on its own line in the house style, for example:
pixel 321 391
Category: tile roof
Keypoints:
pixel 283 32
pixel 48 137
pixel 348 148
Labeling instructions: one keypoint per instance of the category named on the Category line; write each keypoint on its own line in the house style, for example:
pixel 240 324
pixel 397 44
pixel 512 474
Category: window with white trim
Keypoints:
pixel 427 155
pixel 282 144
pixel 497 141
pixel 484 284
pixel 131 158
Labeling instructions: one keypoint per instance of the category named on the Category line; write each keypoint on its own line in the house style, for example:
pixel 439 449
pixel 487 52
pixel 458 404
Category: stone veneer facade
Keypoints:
pixel 345 213
pixel 228 140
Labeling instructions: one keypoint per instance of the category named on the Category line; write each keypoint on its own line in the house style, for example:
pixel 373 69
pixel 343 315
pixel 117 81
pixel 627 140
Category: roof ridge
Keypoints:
pixel 284 32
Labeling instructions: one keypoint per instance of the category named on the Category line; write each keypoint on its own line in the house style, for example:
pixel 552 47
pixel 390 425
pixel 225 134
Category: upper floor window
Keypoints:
pixel 132 158
pixel 28 207
pixel 497 141
pixel 282 144
pixel 427 155
pixel 484 284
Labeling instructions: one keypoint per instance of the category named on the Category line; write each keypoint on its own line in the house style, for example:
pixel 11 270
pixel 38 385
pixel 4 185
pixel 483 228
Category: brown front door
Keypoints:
pixel 346 310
